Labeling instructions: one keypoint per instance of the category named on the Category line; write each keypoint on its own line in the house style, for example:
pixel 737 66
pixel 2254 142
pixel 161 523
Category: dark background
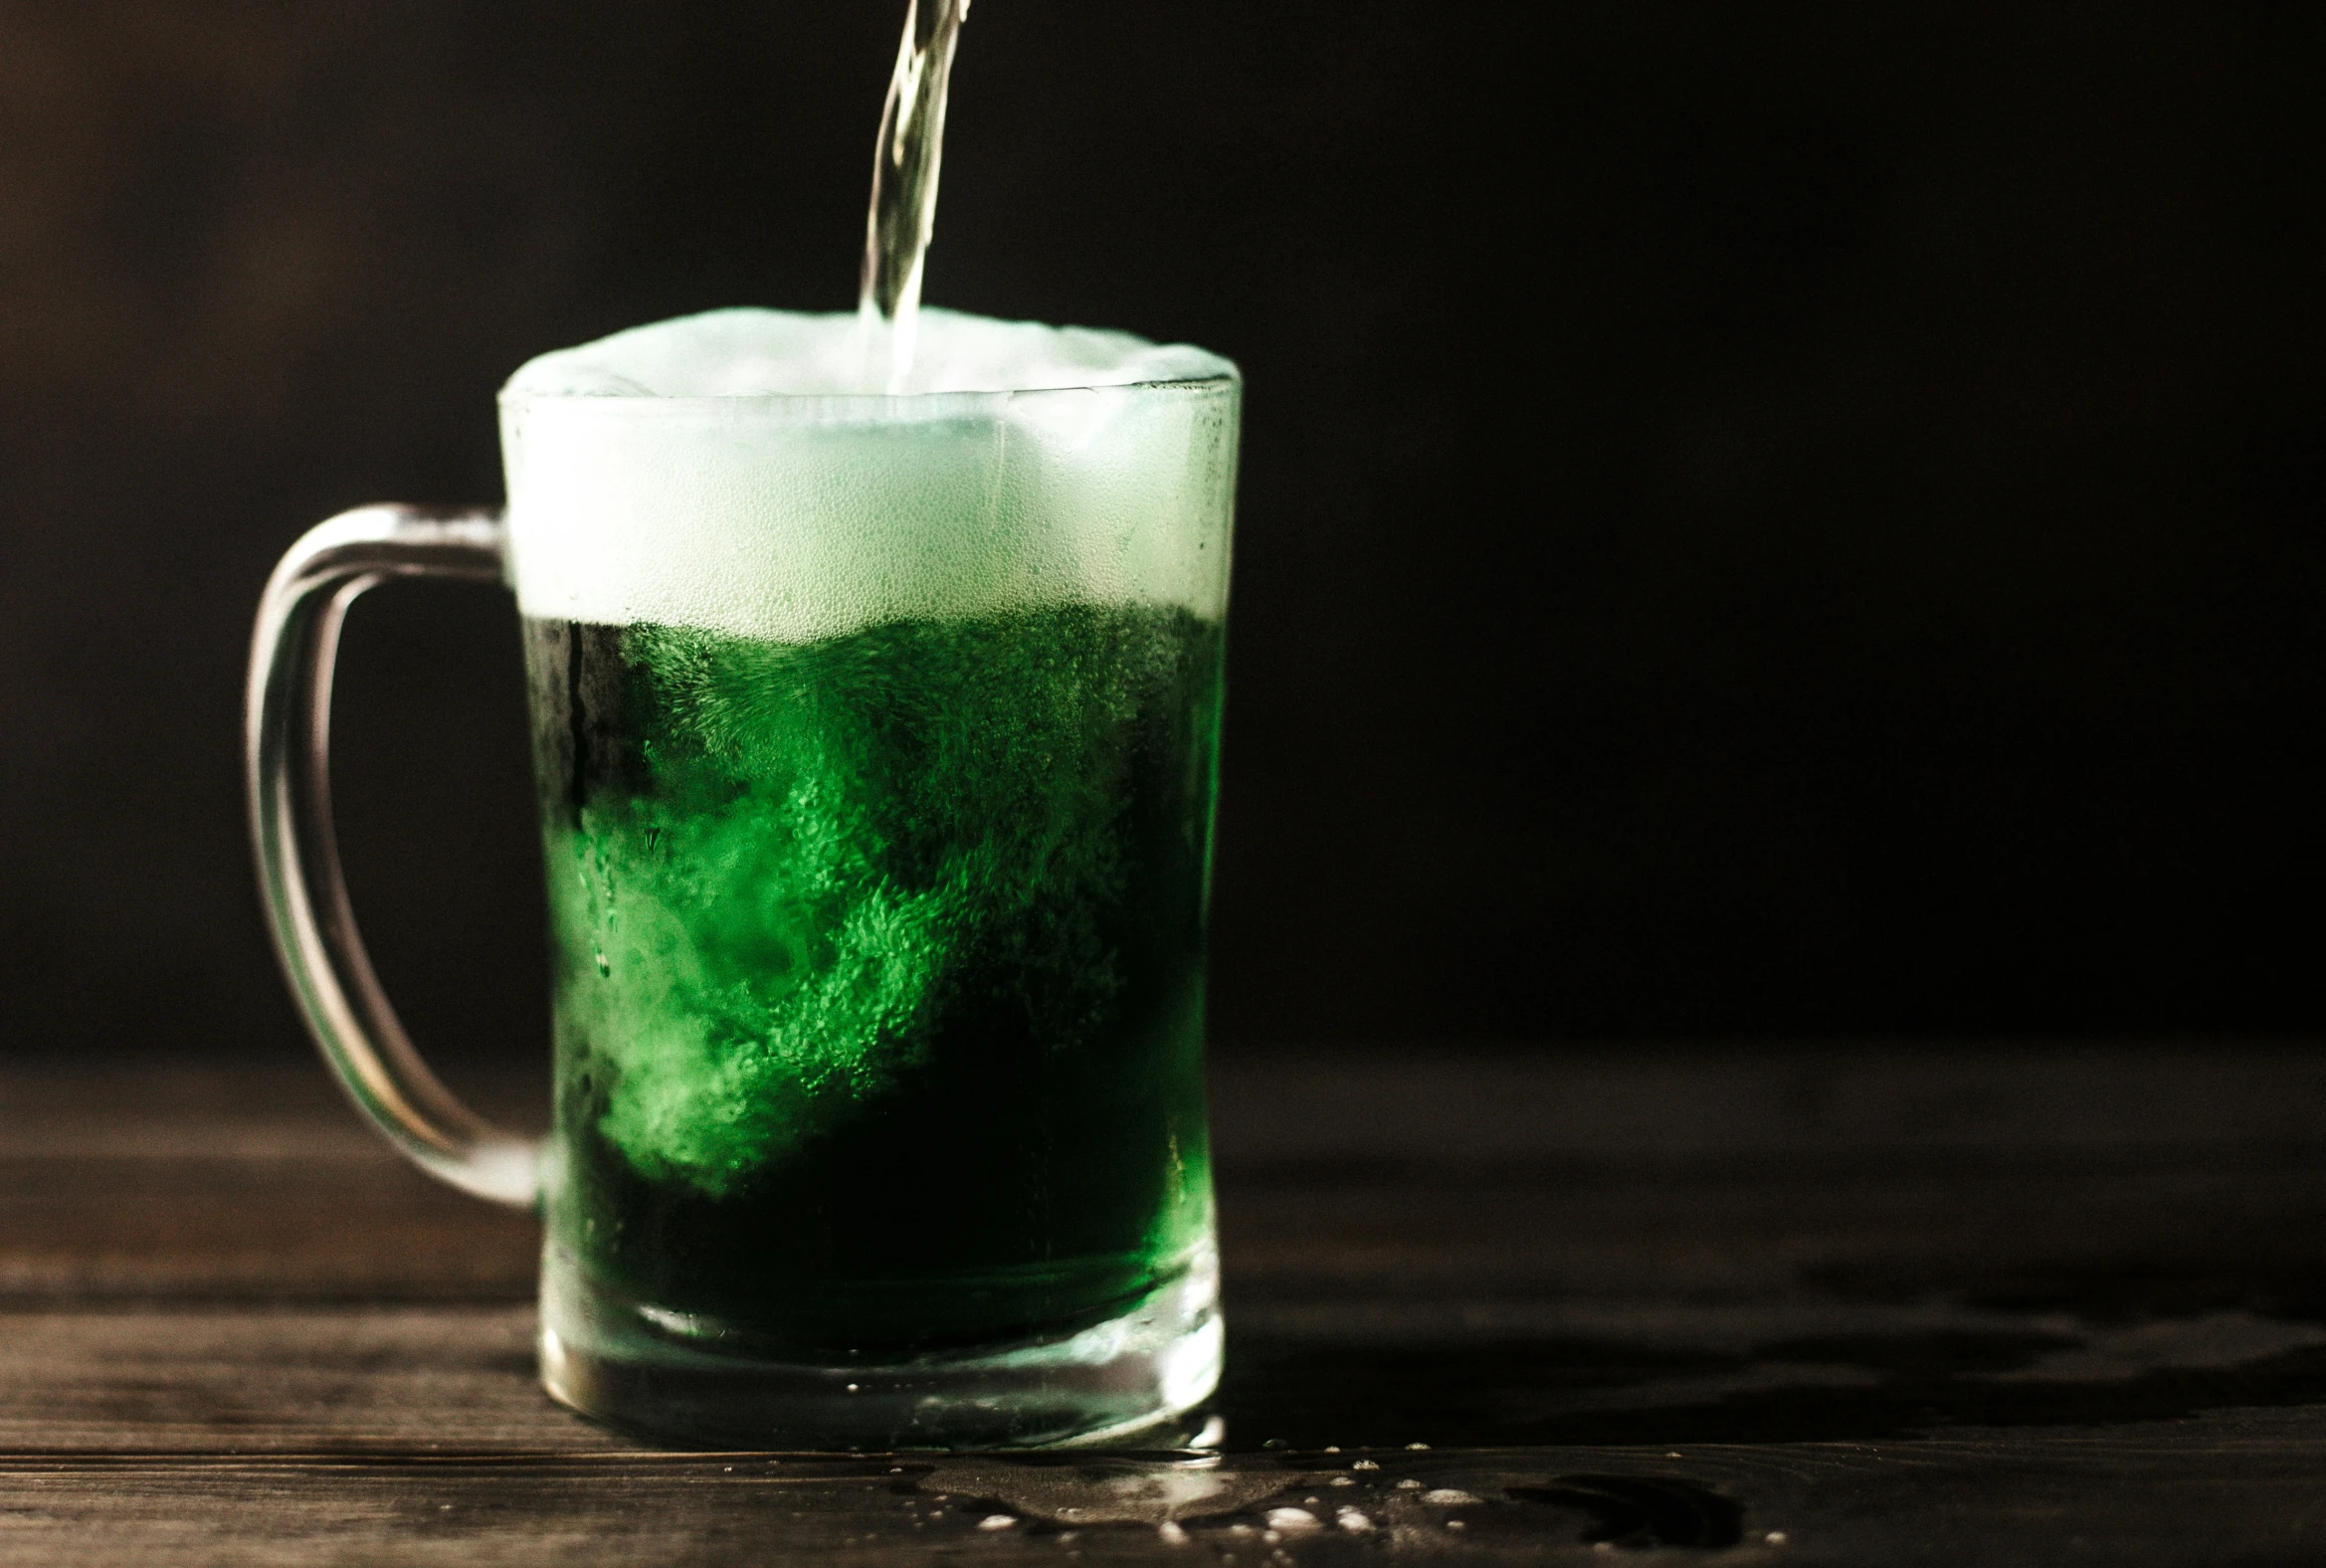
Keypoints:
pixel 1755 520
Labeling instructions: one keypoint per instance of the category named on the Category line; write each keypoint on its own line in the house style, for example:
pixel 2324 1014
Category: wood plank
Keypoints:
pixel 1674 1173
pixel 210 1379
pixel 141 1180
pixel 349 1227
pixel 2196 1493
pixel 364 1227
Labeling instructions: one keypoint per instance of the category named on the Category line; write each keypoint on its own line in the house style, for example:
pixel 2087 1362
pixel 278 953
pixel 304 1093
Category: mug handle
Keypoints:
pixel 287 744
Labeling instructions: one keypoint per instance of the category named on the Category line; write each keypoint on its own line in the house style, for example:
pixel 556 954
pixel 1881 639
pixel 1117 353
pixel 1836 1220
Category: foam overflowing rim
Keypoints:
pixel 605 373
pixel 763 493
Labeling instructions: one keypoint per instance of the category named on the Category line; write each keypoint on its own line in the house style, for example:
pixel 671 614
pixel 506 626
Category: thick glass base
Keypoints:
pixel 1127 1378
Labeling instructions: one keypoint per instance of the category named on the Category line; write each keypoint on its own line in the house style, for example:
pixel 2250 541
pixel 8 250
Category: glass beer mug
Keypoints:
pixel 875 740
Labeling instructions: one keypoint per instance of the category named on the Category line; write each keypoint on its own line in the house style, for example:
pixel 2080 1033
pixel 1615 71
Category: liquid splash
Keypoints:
pixel 903 211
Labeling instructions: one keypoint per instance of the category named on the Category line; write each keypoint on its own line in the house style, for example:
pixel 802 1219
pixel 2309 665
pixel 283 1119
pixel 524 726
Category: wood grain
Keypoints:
pixel 1970 1306
pixel 252 1380
pixel 2230 1488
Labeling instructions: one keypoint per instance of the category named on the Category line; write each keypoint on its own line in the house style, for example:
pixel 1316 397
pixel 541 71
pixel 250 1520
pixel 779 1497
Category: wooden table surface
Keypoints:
pixel 1794 1305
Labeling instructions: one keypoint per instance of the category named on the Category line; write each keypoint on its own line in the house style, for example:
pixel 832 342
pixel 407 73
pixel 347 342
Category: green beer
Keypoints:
pixel 874 668
pixel 880 972
pixel 876 740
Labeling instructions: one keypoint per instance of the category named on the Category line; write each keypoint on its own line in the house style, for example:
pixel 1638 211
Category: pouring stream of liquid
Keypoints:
pixel 905 189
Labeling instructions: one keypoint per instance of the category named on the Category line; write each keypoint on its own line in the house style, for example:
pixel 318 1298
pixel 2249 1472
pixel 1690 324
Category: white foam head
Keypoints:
pixel 729 470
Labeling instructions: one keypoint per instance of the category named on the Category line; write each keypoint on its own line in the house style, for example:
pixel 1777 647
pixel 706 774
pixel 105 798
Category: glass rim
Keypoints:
pixel 858 403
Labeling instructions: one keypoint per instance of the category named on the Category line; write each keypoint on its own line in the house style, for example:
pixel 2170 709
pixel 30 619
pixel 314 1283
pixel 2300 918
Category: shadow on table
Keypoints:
pixel 2053 1350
